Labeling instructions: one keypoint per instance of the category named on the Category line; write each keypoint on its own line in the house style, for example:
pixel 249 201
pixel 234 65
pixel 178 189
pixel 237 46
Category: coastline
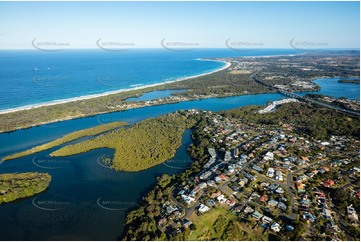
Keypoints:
pixel 91 96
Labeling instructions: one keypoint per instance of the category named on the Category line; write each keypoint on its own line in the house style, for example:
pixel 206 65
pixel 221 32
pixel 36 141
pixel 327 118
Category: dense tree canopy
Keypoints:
pixel 14 186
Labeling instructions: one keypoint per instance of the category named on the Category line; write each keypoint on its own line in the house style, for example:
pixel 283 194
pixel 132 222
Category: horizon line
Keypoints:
pixel 190 49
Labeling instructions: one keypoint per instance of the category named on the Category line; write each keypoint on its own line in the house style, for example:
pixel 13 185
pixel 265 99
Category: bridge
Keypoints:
pixel 302 98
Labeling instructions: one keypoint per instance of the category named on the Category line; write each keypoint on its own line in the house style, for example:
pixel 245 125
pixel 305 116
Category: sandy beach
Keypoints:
pixel 85 97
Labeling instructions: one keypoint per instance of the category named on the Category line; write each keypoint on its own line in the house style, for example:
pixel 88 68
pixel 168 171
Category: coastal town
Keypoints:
pixel 278 74
pixel 274 74
pixel 295 73
pixel 180 120
pixel 273 182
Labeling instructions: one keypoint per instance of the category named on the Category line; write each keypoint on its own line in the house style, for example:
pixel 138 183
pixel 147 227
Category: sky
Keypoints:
pixel 196 24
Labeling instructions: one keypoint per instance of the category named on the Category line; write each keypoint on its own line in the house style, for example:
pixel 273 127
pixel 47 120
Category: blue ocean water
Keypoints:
pixel 30 77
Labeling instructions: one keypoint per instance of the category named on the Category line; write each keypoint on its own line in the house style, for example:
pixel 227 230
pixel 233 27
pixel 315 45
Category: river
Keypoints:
pixel 86 200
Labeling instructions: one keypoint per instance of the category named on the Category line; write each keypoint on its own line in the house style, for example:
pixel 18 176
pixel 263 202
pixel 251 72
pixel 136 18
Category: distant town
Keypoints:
pixel 285 74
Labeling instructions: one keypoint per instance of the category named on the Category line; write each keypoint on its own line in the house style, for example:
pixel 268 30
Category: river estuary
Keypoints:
pixel 86 200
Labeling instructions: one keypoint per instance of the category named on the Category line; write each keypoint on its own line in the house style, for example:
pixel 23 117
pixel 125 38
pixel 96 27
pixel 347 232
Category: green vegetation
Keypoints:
pixel 141 223
pixel 211 225
pixel 220 83
pixel 15 186
pixel 67 138
pixel 220 224
pixel 319 123
pixel 217 224
pixel 64 111
pixel 141 146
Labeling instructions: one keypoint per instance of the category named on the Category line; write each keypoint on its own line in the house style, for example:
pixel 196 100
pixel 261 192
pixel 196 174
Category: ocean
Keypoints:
pixel 30 77
pixel 80 183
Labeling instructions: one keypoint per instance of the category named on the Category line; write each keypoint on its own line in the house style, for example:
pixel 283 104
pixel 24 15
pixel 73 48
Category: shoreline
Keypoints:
pixel 90 96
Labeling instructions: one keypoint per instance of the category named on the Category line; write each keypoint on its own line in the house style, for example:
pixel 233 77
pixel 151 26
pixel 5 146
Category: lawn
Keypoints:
pixel 205 229
pixel 221 224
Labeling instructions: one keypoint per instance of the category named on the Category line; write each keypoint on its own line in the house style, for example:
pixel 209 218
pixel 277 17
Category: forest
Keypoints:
pixel 141 146
pixel 20 185
pixel 319 123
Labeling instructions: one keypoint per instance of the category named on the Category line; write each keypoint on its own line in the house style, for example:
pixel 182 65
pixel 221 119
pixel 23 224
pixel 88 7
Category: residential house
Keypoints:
pixel 300 187
pixel 272 187
pixel 257 215
pixel 212 152
pixel 248 210
pixel 266 219
pixel 278 176
pixel 249 176
pixel 211 183
pixel 181 192
pixel 228 156
pixel 188 199
pixel 217 179
pixel 235 189
pixel 289 227
pixel 205 175
pixel 309 217
pixel 231 168
pixel 328 183
pixel 242 182
pixel 282 206
pixel 210 163
pixel 276 227
pixel 221 199
pixel 186 223
pixel 268 156
pixel 326 213
pixel 279 190
pixel 210 203
pixel 202 185
pixel 203 208
pixel 257 168
pixel 272 203
pixel 351 213
pixel 264 198
pixel 215 194
pixel 231 202
pixel 239 208
pixel 270 172
pixel 326 169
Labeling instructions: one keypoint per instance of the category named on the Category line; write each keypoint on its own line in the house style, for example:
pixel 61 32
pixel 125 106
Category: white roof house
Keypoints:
pixel 203 208
pixel 276 227
pixel 266 219
pixel 270 172
pixel 268 156
pixel 188 199
pixel 278 176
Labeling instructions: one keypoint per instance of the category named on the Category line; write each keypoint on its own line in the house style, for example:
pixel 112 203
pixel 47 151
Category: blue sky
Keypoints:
pixel 206 24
